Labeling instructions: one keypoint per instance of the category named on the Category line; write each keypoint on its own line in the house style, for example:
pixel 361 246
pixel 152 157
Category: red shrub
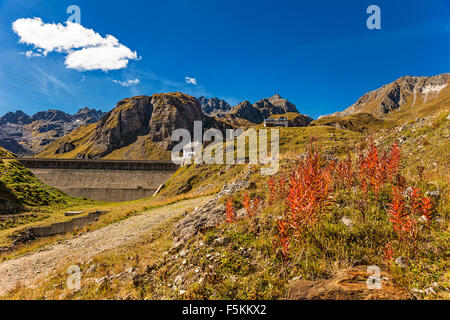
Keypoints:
pixel 388 253
pixel 392 161
pixel 374 171
pixel 344 171
pixel 427 210
pixel 229 209
pixel 283 238
pixel 415 199
pixel 309 189
pixel 272 186
pixel 251 206
pixel 400 219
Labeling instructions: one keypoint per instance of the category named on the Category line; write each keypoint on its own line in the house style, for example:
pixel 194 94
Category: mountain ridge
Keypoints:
pixel 26 135
pixel 407 92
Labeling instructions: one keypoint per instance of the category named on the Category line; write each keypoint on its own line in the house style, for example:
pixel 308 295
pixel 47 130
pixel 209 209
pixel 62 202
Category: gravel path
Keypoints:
pixel 33 267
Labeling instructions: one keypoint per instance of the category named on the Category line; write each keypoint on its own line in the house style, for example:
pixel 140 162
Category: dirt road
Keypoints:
pixel 33 267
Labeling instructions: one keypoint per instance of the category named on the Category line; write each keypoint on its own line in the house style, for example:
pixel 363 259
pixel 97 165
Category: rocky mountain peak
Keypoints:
pixel 263 109
pixel 405 92
pixel 27 135
pixel 213 106
pixel 18 117
pixel 146 118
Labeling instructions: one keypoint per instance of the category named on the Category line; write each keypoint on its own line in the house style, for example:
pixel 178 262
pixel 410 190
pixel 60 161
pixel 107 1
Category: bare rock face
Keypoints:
pixel 284 104
pixel 200 220
pixel 300 121
pixel 153 117
pixel 263 109
pixel 348 284
pixel 120 127
pixel 173 112
pixel 214 106
pixel 247 111
pixel 208 216
pixel 65 147
pixel 406 92
pixel 25 135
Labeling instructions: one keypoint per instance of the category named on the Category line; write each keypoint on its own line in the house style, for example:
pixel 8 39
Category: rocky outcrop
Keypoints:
pixel 65 147
pixel 207 216
pixel 87 115
pixel 348 284
pixel 13 146
pixel 18 117
pixel 406 92
pixel 142 125
pixel 249 112
pixel 214 106
pixel 262 109
pixel 300 120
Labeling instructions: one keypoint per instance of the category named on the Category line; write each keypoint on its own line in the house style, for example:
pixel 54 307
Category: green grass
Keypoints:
pixel 26 188
pixel 250 267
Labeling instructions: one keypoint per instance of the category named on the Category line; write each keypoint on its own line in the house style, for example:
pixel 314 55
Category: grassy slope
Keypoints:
pixel 263 274
pixel 26 188
pixel 360 122
pixel 79 138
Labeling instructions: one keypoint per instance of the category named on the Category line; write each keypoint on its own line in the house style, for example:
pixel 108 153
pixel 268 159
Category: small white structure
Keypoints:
pixel 189 151
pixel 280 122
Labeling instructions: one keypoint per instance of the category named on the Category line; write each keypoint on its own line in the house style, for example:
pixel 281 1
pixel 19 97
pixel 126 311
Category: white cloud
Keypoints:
pixel 127 83
pixel 100 58
pixel 85 48
pixel 190 80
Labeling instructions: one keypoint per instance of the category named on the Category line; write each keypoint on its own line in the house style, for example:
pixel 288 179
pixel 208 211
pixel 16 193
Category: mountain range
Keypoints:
pixel 26 135
pixel 140 127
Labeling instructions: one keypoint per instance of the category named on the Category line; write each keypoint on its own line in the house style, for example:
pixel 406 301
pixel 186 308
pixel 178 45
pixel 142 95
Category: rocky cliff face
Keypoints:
pixel 406 92
pixel 138 128
pixel 155 117
pixel 263 109
pixel 26 135
pixel 214 106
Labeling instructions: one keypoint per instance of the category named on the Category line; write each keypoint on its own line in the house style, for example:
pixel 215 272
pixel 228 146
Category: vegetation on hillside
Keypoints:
pixel 360 122
pixel 25 187
pixel 379 199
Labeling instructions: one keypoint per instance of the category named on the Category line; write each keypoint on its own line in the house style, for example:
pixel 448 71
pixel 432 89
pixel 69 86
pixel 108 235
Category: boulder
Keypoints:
pixel 347 284
pixel 207 216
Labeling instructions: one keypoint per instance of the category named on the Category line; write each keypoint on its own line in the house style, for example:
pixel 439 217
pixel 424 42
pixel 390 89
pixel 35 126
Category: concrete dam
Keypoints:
pixel 105 180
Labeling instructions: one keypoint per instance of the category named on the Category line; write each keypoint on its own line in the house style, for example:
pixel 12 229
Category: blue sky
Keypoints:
pixel 318 54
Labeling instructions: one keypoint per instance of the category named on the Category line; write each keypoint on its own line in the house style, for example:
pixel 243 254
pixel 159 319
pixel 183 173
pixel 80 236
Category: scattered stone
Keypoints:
pixel 183 253
pixel 178 280
pixel 436 194
pixel 91 269
pixel 430 291
pixel 347 221
pixel 401 262
pixel 223 241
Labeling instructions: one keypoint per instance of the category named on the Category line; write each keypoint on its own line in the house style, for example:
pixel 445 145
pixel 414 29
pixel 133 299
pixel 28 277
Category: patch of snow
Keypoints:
pixel 436 88
pixel 432 89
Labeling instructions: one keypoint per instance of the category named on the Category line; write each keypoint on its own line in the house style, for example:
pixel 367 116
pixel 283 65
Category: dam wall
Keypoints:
pixel 102 179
